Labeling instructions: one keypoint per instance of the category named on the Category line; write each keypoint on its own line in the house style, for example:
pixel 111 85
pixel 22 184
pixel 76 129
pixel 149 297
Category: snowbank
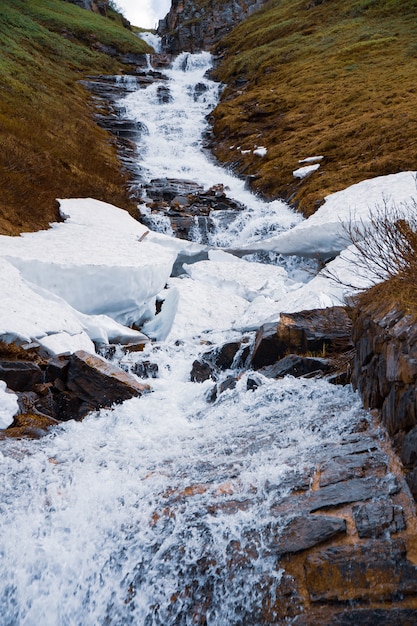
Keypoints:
pixel 324 234
pixel 83 280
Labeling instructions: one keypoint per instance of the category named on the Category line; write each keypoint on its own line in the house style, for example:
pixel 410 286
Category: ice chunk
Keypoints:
pixel 160 326
pixel 96 261
pixel 8 406
pixel 245 279
pixel 203 307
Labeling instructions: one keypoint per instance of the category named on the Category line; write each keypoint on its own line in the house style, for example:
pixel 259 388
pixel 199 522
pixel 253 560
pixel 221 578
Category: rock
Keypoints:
pixel 167 188
pixel 354 490
pixel 98 383
pixel 220 359
pixel 201 371
pixel 228 383
pixel 342 468
pixel 57 368
pixel 358 617
pixel 322 331
pixel 411 479
pixel 163 94
pixel 376 570
pixel 302 533
pixel 191 26
pixel 30 426
pixel 409 448
pixel 98 6
pixel 146 369
pixel 375 617
pixel 21 375
pixel 295 365
pixel 188 206
pixel 375 518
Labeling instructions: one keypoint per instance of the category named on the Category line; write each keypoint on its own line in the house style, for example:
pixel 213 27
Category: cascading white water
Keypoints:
pixel 172 148
pixel 157 512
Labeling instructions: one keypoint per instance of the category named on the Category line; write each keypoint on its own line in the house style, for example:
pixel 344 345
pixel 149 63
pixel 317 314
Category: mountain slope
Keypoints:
pixel 319 77
pixel 49 144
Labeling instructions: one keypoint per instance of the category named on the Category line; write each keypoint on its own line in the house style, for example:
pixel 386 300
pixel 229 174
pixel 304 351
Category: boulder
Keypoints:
pixel 21 375
pixel 295 365
pixel 320 331
pixel 99 384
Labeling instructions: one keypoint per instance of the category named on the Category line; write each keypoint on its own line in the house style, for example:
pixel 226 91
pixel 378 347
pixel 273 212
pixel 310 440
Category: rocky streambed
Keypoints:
pixel 242 482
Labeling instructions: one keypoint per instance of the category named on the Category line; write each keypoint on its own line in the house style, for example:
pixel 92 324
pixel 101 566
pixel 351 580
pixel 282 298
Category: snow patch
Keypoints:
pixel 302 172
pixel 8 406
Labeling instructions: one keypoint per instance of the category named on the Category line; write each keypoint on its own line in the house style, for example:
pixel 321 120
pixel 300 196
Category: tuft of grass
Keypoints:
pixel 50 145
pixel 304 79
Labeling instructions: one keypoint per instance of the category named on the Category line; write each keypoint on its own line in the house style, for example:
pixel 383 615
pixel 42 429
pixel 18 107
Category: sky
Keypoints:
pixel 144 13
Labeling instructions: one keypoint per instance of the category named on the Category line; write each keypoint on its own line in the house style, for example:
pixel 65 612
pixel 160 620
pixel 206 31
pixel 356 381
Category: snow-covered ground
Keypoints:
pixel 90 277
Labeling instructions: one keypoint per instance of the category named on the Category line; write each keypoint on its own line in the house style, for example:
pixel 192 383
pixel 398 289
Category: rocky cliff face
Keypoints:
pixel 98 6
pixel 193 26
pixel 385 373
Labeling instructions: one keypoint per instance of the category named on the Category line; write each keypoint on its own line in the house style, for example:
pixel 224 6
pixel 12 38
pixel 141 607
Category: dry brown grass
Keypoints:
pixel 320 81
pixel 50 146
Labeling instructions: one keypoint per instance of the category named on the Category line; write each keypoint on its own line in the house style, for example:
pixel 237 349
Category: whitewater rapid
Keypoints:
pixel 155 512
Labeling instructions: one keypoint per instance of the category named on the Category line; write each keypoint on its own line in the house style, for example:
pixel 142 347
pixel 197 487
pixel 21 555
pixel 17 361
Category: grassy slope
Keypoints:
pixel 49 145
pixel 325 77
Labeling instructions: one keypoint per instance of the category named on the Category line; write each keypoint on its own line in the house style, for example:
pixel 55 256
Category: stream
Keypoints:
pixel 161 510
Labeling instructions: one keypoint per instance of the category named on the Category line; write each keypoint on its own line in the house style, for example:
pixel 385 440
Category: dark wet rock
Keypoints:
pixel 411 479
pixel 385 373
pixel 201 371
pixel 354 490
pixel 227 384
pixel 194 26
pixel 295 365
pixel 409 448
pixel 163 94
pixel 233 354
pixel 376 518
pixel 322 331
pixel 302 533
pixel 98 383
pixel 188 206
pixel 376 617
pixel 342 468
pixel 57 369
pixel 376 570
pixel 21 375
pixel 253 382
pixel 167 188
pixel 146 369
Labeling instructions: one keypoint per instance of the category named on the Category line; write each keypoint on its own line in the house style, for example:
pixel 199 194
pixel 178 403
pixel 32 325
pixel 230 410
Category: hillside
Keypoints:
pixel 316 77
pixel 49 144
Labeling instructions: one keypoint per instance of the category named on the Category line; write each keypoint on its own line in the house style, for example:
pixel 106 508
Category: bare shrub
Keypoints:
pixel 383 250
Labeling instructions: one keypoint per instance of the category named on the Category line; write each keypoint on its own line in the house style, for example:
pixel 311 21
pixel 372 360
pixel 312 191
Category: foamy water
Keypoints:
pixel 155 512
